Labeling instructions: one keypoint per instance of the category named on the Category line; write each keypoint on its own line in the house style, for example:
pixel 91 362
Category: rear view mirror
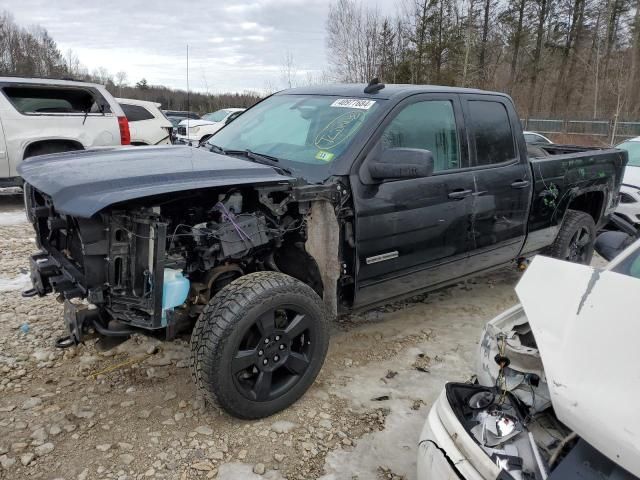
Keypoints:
pixel 397 163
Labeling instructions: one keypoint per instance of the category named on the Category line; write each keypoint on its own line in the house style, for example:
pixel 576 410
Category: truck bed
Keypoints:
pixel 559 175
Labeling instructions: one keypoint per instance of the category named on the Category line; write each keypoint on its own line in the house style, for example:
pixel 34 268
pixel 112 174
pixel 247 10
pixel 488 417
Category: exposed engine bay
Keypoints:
pixel 516 439
pixel 155 263
pixel 509 412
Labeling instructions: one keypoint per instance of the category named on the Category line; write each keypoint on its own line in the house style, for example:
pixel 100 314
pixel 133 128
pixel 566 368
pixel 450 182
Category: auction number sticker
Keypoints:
pixel 354 103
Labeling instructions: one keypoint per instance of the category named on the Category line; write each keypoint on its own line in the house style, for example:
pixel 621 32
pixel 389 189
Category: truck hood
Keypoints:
pixel 585 324
pixel 83 183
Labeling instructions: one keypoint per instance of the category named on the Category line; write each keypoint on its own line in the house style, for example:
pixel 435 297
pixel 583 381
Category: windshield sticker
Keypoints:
pixel 324 156
pixel 354 103
pixel 340 128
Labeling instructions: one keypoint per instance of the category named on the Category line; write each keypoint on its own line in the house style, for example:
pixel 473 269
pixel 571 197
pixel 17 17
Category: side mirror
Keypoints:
pixel 397 163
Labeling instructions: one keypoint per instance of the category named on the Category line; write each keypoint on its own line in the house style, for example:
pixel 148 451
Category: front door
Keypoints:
pixel 413 233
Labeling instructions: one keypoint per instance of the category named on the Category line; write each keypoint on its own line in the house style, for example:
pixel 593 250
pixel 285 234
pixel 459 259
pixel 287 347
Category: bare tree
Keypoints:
pixel 121 79
pixel 619 86
pixel 353 35
pixel 289 70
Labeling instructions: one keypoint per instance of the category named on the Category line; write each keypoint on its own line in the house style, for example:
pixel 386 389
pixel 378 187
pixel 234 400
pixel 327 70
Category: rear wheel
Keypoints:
pixel 576 238
pixel 259 344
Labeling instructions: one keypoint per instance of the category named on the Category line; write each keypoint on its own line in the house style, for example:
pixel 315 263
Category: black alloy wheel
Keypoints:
pixel 259 344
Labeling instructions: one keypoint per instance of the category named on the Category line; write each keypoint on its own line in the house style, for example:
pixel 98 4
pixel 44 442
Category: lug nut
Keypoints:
pixel 277 337
pixel 260 353
pixel 276 358
pixel 281 347
pixel 265 361
pixel 266 340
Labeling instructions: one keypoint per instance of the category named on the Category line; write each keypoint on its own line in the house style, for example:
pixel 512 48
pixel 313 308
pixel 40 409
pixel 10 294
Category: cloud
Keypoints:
pixel 232 47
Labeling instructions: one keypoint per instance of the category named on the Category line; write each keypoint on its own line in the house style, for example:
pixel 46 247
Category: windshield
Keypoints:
pixel 305 132
pixel 216 116
pixel 633 147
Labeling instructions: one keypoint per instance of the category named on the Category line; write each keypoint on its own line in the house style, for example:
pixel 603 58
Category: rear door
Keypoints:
pixel 502 178
pixel 413 233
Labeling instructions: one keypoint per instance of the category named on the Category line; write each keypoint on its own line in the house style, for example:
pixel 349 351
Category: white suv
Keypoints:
pixel 194 132
pixel 39 116
pixel 147 123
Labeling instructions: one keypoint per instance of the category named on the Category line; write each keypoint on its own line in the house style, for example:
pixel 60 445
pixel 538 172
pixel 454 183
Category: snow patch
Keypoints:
pixel 20 282
pixel 13 218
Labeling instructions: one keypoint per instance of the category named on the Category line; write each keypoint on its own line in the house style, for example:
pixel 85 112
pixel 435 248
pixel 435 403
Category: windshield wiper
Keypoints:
pixel 253 156
pixel 216 149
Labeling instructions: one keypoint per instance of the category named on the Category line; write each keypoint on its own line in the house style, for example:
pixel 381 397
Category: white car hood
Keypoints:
pixel 586 327
pixel 631 176
pixel 197 123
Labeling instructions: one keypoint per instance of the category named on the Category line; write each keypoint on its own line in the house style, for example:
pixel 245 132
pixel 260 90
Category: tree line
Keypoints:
pixel 31 52
pixel 557 58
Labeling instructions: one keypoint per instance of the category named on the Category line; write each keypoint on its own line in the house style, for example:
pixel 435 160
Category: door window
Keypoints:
pixel 42 100
pixel 492 132
pixel 428 125
pixel 136 113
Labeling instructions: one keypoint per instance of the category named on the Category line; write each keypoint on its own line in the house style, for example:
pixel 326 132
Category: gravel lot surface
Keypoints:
pixel 133 413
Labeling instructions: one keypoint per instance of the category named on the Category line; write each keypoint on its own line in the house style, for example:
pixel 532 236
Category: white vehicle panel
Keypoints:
pixel 585 323
pixel 22 129
pixel 4 156
pixel 151 131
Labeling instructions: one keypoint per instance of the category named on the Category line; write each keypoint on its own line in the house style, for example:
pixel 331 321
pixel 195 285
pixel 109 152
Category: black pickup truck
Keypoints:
pixel 314 202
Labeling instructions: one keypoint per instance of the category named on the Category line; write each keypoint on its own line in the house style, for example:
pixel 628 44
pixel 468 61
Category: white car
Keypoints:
pixel 194 132
pixel 629 206
pixel 39 116
pixel 533 138
pixel 147 123
pixel 558 383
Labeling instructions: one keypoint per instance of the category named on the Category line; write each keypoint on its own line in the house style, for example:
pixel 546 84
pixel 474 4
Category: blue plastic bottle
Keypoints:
pixel 174 291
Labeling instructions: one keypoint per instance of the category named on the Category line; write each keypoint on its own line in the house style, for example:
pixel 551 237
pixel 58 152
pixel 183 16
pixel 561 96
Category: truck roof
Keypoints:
pixel 388 92
pixel 47 81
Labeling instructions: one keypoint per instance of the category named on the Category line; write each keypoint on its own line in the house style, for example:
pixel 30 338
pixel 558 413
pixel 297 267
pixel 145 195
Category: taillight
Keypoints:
pixel 125 135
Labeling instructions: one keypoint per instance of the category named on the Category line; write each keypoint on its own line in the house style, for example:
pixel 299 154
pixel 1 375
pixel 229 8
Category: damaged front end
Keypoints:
pixel 154 264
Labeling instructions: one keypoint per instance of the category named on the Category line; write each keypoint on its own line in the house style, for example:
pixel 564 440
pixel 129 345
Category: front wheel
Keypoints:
pixel 576 238
pixel 259 344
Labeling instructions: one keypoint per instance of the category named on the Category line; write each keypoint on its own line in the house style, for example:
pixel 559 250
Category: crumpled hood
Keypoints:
pixel 84 182
pixel 585 324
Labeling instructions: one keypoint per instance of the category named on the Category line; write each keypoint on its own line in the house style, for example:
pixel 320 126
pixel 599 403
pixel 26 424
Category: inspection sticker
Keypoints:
pixel 354 103
pixel 324 156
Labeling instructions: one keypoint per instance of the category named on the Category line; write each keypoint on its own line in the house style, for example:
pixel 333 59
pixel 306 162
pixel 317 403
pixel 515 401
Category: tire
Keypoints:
pixel 576 238
pixel 230 335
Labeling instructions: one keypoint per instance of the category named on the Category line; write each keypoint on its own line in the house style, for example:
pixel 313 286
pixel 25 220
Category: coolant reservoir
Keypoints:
pixel 174 290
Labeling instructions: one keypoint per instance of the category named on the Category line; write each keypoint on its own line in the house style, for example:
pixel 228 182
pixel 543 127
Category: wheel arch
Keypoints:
pixel 299 264
pixel 590 202
pixel 32 147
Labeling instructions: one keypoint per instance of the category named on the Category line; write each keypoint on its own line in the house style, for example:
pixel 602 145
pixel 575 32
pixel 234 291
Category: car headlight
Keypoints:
pixel 194 129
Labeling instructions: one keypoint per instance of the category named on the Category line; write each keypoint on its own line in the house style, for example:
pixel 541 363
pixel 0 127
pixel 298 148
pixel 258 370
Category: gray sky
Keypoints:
pixel 233 45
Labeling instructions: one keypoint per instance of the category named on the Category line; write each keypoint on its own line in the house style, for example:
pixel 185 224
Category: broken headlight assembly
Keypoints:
pixel 520 445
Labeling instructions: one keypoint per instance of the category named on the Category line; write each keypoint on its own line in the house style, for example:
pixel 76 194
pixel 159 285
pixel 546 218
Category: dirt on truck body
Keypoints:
pixel 311 203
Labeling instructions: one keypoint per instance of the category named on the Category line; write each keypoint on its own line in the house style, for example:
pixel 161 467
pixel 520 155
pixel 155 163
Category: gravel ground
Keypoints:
pixel 133 413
